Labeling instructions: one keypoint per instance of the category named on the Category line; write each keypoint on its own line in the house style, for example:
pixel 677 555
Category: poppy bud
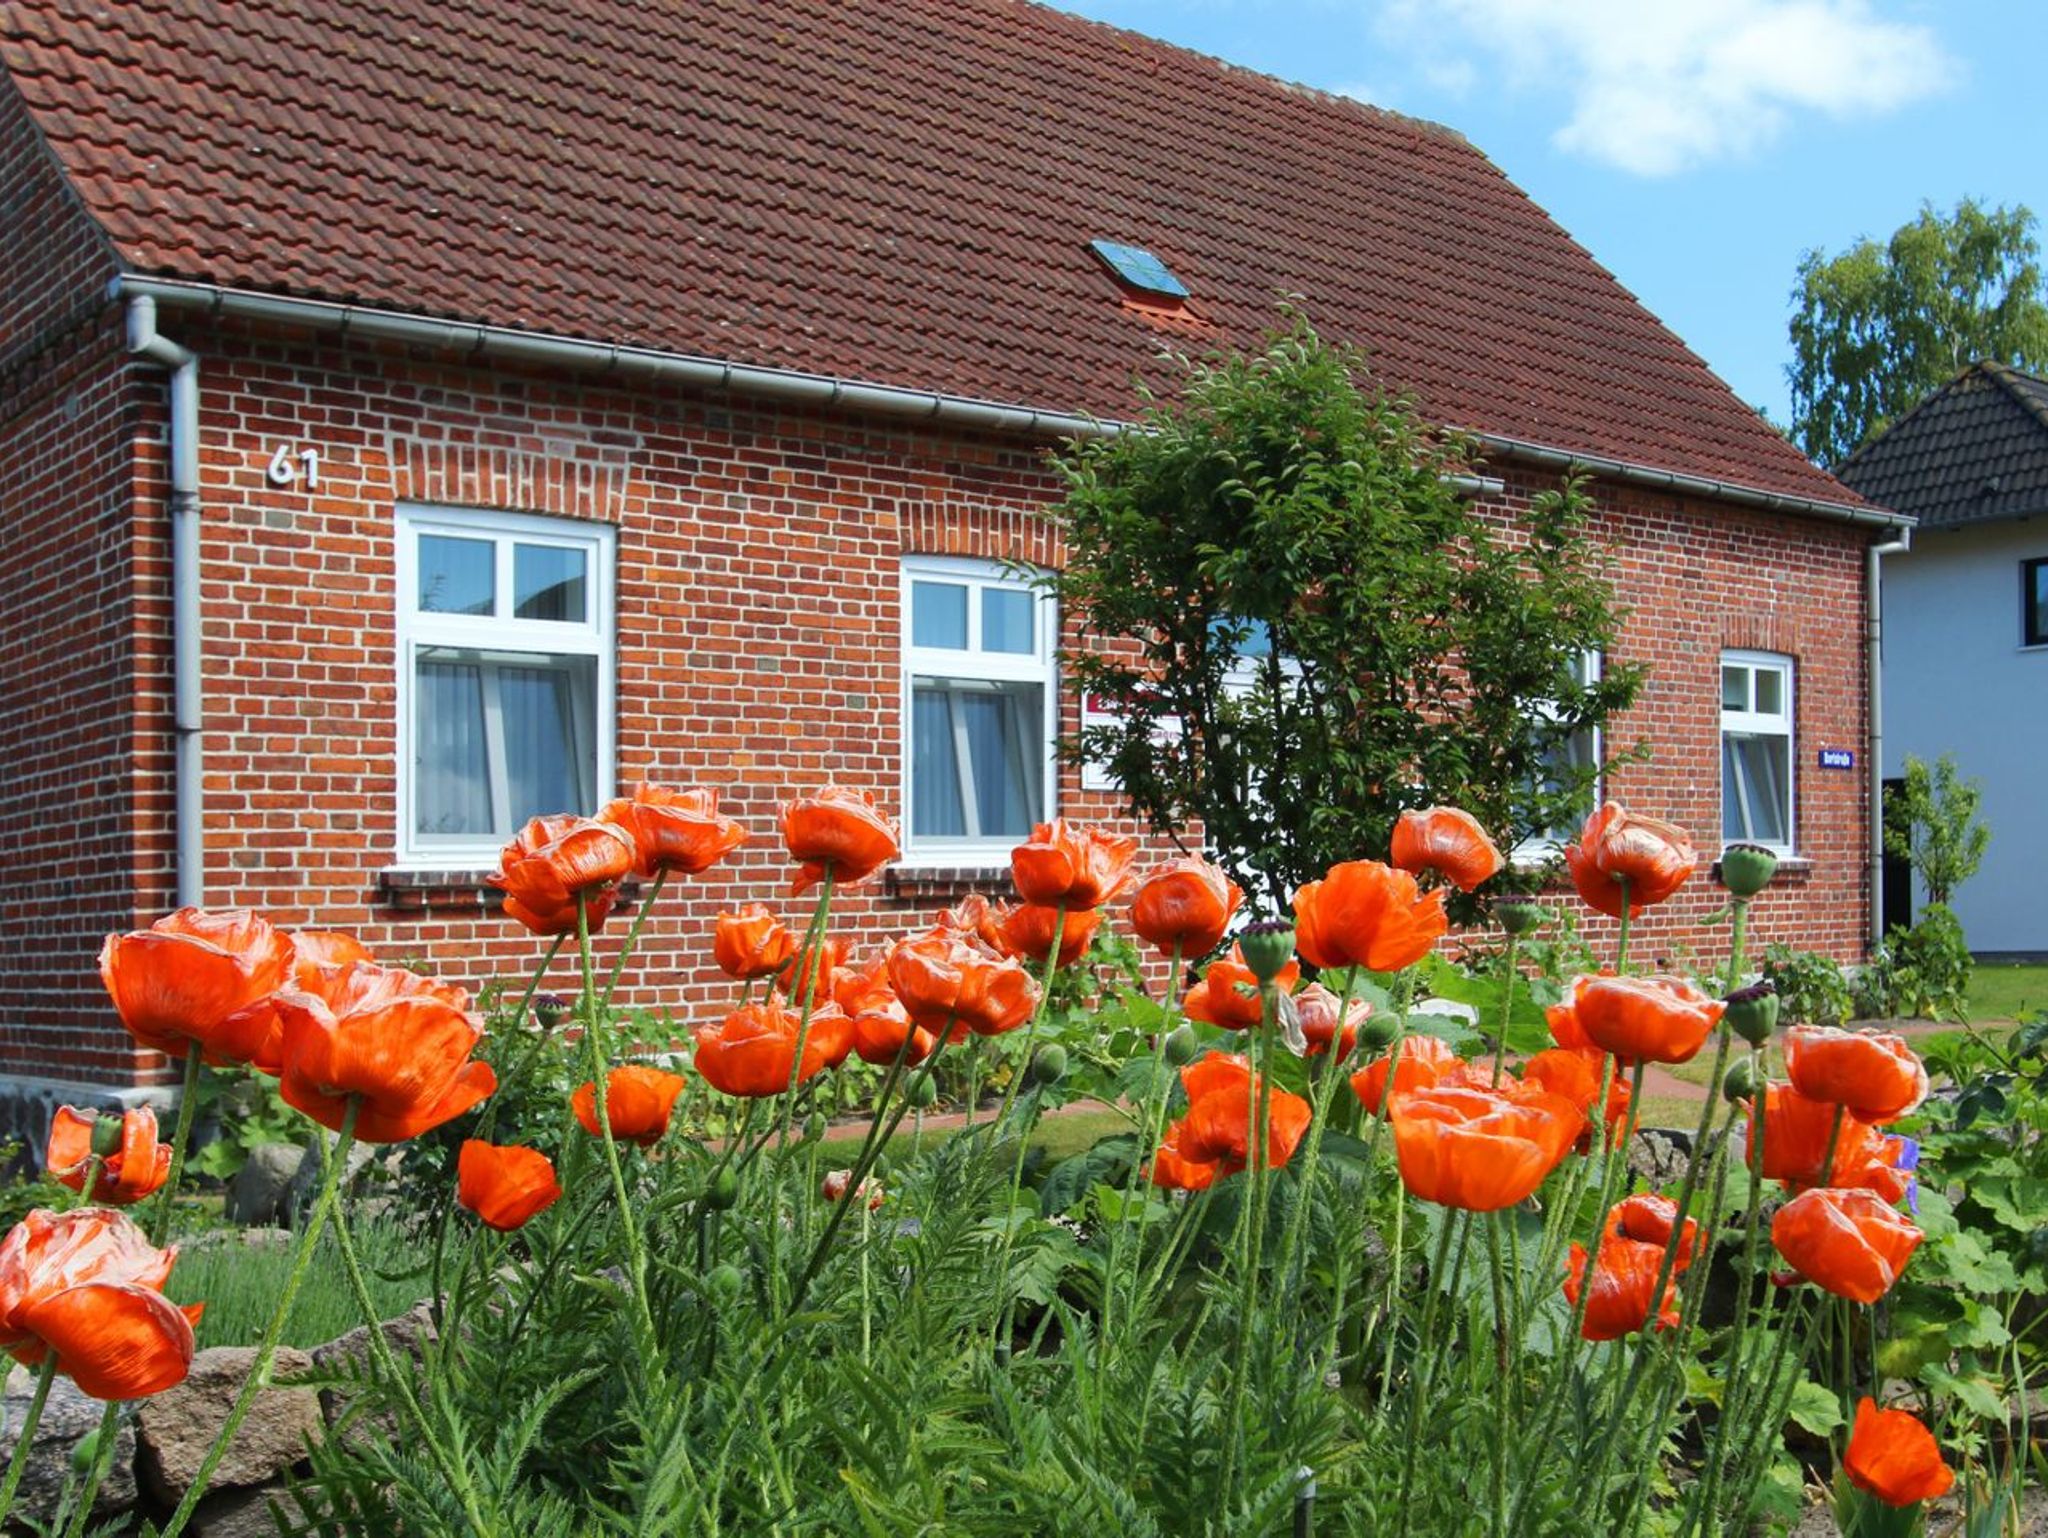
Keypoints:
pixel 723 1191
pixel 1181 1045
pixel 86 1453
pixel 1753 1013
pixel 814 1126
pixel 1738 1085
pixel 1518 918
pixel 1050 1064
pixel 1746 869
pixel 549 1009
pixel 1378 1031
pixel 106 1136
pixel 723 1283
pixel 1268 946
pixel 923 1092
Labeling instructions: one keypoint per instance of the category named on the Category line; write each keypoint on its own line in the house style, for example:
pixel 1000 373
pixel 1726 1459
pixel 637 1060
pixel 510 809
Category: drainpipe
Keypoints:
pixel 1873 634
pixel 144 341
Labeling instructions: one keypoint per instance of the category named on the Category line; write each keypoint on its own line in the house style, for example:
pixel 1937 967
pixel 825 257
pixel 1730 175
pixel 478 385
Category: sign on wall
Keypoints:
pixel 1837 758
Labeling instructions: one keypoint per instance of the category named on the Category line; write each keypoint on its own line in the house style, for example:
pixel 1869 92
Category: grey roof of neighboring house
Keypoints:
pixel 1974 451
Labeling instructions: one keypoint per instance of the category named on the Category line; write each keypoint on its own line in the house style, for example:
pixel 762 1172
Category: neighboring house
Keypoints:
pixel 1966 626
pixel 566 396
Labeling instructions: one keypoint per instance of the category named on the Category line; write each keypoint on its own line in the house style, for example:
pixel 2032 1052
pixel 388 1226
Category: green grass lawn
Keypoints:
pixel 2007 992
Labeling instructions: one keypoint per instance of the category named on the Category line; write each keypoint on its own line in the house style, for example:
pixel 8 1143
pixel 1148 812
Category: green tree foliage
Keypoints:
pixel 1931 823
pixel 1309 630
pixel 1880 327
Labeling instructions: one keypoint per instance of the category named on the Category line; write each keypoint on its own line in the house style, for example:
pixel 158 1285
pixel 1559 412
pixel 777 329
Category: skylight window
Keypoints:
pixel 1137 268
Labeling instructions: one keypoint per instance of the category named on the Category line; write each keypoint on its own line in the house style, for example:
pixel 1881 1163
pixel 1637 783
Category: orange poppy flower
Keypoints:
pixel 1853 1244
pixel 638 1100
pixel 1647 1218
pixel 1622 1279
pixel 552 861
pixel 399 1042
pixel 139 1166
pixel 87 1285
pixel 1228 994
pixel 1615 847
pixel 1649 1019
pixel 1563 1017
pixel 505 1186
pixel 1187 903
pixel 1447 841
pixel 944 982
pixel 841 828
pixel 1575 1075
pixel 318 950
pixel 678 831
pixel 879 1020
pixel 977 919
pixel 1479 1149
pixel 1077 867
pixel 1418 1062
pixel 1795 1140
pixel 1026 932
pixel 795 978
pixel 750 1052
pixel 1365 914
pixel 1171 1170
pixel 1317 1007
pixel 193 976
pixel 751 942
pixel 1874 1073
pixel 1895 1458
pixel 320 964
pixel 1216 1132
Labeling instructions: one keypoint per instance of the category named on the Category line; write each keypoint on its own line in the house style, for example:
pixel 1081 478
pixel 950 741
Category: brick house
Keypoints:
pixel 412 417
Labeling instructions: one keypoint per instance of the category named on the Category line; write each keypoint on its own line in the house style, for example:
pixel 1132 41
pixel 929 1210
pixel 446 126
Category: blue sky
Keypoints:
pixel 1695 147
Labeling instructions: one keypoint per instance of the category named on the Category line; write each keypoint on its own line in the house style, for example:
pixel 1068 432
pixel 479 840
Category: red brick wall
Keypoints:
pixel 68 804
pixel 759 624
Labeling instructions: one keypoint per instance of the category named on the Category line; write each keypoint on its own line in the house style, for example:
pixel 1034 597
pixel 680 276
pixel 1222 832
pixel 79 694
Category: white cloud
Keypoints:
pixel 1657 86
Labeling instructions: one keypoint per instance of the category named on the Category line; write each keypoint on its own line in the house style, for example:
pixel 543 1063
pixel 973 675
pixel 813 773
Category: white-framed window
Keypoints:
pixel 504 676
pixel 1560 763
pixel 980 702
pixel 1756 749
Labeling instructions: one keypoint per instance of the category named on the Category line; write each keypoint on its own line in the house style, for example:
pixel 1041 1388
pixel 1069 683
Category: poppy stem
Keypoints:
pixel 1621 944
pixel 1152 1129
pixel 1260 1092
pixel 26 1436
pixel 1419 1385
pixel 1404 991
pixel 1826 1174
pixel 181 1138
pixel 1507 1009
pixel 633 934
pixel 1017 1077
pixel 1332 1074
pixel 600 1073
pixel 1498 1519
pixel 280 1315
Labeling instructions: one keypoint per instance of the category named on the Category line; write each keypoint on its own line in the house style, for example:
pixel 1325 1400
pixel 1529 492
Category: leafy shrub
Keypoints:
pixel 1813 987
pixel 1922 972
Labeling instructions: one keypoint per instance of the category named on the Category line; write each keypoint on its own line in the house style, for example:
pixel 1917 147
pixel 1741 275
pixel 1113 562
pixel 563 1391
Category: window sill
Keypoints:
pixel 929 881
pixel 419 888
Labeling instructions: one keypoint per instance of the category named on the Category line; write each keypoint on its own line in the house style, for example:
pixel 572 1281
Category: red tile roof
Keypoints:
pixel 896 191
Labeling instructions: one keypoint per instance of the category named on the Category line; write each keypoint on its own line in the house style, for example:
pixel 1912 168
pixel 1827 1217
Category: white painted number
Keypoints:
pixel 289 465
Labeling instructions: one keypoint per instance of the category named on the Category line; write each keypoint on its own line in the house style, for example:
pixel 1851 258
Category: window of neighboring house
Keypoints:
pixel 1756 749
pixel 504 678
pixel 1561 761
pixel 2034 602
pixel 979 703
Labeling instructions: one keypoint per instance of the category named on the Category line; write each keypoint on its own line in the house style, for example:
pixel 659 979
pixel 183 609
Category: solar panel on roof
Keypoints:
pixel 1139 268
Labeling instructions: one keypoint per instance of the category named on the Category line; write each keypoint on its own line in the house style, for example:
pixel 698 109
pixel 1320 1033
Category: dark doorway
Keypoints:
pixel 1895 897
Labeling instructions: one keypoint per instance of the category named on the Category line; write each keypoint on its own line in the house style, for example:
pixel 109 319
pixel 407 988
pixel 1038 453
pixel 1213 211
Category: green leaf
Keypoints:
pixel 1815 1409
pixel 1975 1393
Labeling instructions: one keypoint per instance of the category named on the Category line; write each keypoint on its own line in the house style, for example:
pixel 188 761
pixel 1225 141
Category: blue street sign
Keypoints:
pixel 1837 758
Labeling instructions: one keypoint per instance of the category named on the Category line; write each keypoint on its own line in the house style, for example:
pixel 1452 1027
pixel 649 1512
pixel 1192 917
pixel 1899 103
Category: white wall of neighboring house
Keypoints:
pixel 1958 680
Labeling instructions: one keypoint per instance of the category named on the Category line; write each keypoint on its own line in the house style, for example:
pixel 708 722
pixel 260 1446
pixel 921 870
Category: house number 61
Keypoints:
pixel 289 465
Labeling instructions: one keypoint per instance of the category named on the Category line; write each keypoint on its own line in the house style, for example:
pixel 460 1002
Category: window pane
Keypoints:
pixel 1770 691
pixel 1006 748
pixel 935 806
pixel 547 583
pixel 1006 621
pixel 1734 688
pixel 550 763
pixel 1756 783
pixel 938 615
pixel 451 769
pixel 457 576
pixel 2036 618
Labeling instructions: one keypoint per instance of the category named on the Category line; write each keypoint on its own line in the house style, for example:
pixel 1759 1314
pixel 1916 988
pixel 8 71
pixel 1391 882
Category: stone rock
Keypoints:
pixel 261 1189
pixel 240 1513
pixel 1659 1155
pixel 67 1417
pixel 305 1183
pixel 179 1425
pixel 408 1336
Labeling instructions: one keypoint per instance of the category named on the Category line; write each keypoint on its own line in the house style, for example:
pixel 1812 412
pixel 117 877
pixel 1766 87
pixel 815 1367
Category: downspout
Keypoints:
pixel 1873 635
pixel 187 707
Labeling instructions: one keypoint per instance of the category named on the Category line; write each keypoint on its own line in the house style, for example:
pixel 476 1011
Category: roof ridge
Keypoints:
pixel 1939 392
pixel 2007 375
